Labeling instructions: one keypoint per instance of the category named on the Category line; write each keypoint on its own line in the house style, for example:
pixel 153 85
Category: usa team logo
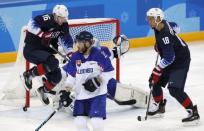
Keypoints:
pixel 78 62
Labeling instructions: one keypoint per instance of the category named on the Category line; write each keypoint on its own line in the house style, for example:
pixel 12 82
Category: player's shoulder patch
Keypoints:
pixel 169 29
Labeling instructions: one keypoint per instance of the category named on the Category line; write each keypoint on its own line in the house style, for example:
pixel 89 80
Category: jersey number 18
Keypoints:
pixel 166 40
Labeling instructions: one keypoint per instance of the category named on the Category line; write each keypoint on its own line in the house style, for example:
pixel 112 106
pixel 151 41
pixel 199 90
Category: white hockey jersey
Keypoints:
pixel 81 69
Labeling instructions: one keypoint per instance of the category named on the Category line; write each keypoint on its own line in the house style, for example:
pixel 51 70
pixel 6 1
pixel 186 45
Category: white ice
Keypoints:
pixel 135 70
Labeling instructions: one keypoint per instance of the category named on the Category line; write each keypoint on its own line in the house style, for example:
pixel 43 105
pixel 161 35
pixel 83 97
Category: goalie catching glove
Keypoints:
pixel 92 84
pixel 65 98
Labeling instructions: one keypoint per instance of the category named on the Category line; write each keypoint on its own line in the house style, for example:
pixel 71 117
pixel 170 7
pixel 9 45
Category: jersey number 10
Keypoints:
pixel 46 17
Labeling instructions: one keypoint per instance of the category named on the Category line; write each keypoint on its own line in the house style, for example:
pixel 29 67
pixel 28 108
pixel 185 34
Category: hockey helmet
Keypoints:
pixel 61 10
pixel 84 36
pixel 155 12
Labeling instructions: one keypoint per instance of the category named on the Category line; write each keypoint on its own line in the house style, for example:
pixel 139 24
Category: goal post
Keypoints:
pixel 104 29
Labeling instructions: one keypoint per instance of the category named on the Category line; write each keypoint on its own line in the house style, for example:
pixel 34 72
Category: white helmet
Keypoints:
pixel 155 12
pixel 61 10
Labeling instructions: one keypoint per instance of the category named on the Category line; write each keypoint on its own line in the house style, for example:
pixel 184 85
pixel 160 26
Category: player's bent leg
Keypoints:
pixel 81 123
pixel 97 123
pixel 127 92
pixel 176 89
pixel 50 64
pixel 53 78
pixel 157 108
pixel 186 102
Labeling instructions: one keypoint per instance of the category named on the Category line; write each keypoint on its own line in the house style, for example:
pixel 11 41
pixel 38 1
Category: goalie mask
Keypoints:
pixel 121 45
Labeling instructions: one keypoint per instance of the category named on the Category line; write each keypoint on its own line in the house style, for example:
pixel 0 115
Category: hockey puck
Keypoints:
pixel 64 61
pixel 139 118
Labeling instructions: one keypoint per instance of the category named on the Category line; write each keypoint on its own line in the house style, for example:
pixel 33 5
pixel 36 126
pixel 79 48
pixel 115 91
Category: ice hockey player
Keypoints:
pixel 88 74
pixel 44 31
pixel 172 69
pixel 122 94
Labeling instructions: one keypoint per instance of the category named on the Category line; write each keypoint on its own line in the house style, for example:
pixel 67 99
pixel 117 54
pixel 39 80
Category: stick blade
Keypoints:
pixel 140 118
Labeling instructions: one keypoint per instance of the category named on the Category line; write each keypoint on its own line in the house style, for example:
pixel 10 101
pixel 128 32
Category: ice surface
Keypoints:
pixel 136 67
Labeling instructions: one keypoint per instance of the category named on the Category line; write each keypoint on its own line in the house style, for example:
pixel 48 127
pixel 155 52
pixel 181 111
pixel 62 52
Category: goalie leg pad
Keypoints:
pixel 127 92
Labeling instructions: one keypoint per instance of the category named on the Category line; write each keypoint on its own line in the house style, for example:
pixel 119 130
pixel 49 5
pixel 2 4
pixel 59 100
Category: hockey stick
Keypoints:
pixel 63 56
pixel 140 118
pixel 50 116
pixel 128 102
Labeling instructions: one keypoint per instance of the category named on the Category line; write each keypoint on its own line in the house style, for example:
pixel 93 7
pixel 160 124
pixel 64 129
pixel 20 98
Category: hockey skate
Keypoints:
pixel 42 93
pixel 192 118
pixel 157 109
pixel 27 76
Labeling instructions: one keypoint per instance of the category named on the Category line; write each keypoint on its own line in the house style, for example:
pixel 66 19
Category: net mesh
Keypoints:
pixel 102 29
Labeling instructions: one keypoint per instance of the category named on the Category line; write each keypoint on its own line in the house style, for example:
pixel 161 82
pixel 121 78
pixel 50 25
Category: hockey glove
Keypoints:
pixel 92 84
pixel 45 38
pixel 155 76
pixel 65 98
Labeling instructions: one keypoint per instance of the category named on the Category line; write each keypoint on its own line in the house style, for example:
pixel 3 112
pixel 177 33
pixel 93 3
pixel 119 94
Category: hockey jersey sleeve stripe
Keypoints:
pixel 165 62
pixel 33 28
pixel 67 45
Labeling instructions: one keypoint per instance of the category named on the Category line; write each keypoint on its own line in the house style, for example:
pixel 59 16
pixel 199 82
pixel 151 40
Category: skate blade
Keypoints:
pixel 156 116
pixel 23 81
pixel 191 123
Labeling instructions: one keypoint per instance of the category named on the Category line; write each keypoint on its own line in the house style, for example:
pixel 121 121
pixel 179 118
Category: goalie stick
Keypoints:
pixel 128 102
pixel 140 118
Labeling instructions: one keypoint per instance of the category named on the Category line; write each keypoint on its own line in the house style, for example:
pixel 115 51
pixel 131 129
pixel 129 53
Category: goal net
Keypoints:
pixel 104 29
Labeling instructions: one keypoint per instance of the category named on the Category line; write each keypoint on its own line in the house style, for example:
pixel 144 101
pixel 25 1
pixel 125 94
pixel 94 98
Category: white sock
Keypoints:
pixel 97 124
pixel 81 123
